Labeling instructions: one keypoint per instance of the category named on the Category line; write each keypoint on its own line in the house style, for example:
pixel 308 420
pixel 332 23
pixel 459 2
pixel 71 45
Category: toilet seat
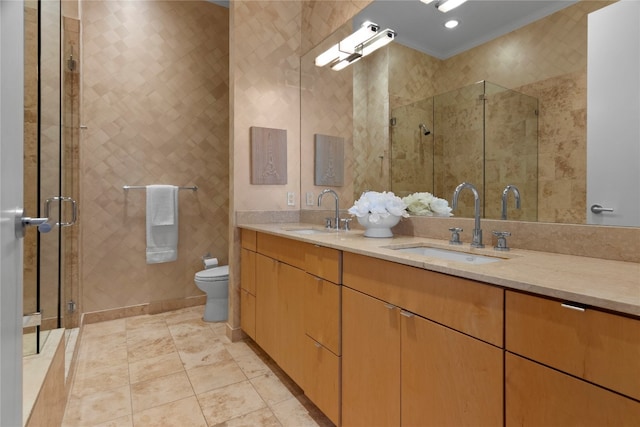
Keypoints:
pixel 216 274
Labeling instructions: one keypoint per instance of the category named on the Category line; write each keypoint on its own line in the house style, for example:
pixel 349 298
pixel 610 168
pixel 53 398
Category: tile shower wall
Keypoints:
pixel 155 103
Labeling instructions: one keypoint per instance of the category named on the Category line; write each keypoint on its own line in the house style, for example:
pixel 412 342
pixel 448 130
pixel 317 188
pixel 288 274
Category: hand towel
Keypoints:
pixel 162 223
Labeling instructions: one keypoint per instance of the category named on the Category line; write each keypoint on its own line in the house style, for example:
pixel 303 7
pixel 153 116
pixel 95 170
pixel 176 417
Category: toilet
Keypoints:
pixel 215 283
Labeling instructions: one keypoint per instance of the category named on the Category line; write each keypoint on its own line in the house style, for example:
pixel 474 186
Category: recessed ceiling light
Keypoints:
pixel 451 24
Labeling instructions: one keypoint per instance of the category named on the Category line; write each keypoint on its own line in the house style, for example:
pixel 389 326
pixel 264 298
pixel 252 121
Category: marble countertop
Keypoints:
pixel 611 285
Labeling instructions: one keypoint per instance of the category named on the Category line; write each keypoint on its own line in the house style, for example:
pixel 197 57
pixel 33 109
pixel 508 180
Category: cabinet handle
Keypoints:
pixel 317 344
pixel 572 307
pixel 406 314
pixel 389 306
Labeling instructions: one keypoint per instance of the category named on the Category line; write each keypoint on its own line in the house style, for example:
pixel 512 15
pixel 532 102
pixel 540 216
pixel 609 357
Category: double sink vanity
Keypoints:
pixel 413 331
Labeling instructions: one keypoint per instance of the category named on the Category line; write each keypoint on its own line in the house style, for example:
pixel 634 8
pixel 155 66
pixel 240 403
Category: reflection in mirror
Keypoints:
pixel 483 134
pixel 545 60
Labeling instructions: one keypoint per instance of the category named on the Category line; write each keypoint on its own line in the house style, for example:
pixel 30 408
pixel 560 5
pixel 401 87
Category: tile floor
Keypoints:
pixel 173 369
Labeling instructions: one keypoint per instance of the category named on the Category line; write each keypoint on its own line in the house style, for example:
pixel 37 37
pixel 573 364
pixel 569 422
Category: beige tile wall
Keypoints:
pixel 155 103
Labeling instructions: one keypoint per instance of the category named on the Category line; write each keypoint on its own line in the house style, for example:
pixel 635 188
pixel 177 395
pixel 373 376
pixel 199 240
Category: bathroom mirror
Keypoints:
pixel 545 59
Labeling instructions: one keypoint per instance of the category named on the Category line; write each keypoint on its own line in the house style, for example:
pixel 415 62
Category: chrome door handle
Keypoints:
pixel 74 209
pixel 598 209
pixel 23 221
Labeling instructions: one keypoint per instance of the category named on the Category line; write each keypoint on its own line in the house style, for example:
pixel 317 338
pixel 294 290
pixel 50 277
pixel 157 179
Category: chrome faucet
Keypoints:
pixel 505 194
pixel 337 214
pixel 477 231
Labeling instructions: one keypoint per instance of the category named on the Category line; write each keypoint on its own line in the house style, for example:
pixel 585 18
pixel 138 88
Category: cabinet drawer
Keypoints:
pixel 474 308
pixel 600 347
pixel 540 396
pixel 322 312
pixel 248 239
pixel 289 251
pixel 248 313
pixel 248 271
pixel 323 262
pixel 322 380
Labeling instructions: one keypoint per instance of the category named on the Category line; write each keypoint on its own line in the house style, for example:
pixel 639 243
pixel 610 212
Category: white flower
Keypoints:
pixel 378 205
pixel 427 204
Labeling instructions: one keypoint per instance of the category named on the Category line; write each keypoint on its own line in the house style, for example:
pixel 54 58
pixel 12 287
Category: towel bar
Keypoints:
pixel 142 187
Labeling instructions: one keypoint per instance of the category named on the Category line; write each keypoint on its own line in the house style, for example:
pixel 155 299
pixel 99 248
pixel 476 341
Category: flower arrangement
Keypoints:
pixel 376 206
pixel 427 204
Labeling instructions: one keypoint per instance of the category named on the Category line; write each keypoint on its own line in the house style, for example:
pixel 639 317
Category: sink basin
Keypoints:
pixel 307 231
pixel 448 255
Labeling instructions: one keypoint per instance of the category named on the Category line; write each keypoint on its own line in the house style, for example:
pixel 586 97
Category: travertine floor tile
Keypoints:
pixel 154 367
pixel 126 421
pixel 100 376
pixel 145 349
pixel 220 374
pixel 161 390
pixel 203 353
pixel 229 402
pixel 271 389
pixel 184 412
pixel 262 417
pixel 98 407
pixel 102 329
pixel 292 413
pixel 173 369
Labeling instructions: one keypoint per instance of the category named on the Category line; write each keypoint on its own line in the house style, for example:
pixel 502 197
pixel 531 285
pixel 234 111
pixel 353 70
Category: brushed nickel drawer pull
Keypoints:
pixel 406 314
pixel 389 306
pixel 572 307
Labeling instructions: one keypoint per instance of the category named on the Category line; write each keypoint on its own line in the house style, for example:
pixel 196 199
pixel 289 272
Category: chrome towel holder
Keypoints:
pixel 143 187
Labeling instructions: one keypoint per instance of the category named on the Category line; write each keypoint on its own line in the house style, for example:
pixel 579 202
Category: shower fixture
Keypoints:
pixel 424 129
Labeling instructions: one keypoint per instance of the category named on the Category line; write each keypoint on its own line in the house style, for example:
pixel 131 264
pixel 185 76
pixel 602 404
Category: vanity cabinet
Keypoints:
pixel 582 365
pixel 297 314
pixel 419 348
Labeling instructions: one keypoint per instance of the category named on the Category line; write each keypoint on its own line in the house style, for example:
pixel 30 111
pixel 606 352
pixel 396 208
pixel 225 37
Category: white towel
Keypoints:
pixel 162 223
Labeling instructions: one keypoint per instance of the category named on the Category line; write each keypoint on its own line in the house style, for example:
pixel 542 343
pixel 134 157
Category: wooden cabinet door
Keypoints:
pixel 248 313
pixel 290 317
pixel 267 333
pixel 322 312
pixel 541 396
pixel 601 347
pixel 370 361
pixel 248 292
pixel 448 378
pixel 248 270
pixel 322 379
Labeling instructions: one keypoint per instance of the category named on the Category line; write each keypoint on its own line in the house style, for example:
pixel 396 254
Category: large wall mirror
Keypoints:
pixel 386 107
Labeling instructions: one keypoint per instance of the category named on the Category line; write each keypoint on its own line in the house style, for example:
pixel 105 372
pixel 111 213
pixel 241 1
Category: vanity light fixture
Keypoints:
pixel 447 5
pixel 361 43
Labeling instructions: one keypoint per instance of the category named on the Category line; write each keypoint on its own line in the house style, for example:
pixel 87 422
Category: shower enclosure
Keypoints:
pixel 47 162
pixel 482 133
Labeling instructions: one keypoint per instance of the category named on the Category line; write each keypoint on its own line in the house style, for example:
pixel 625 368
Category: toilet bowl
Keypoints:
pixel 215 283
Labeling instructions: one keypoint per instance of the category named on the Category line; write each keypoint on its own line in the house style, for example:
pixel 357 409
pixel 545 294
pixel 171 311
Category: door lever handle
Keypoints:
pixel 23 222
pixel 598 209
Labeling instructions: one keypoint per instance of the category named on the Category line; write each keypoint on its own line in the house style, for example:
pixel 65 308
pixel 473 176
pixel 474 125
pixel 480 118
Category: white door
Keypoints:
pixel 11 143
pixel 613 115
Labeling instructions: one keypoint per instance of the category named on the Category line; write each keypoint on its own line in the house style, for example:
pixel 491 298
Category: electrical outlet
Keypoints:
pixel 291 198
pixel 309 198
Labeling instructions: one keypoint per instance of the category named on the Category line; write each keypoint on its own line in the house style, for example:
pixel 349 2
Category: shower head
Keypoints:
pixel 424 129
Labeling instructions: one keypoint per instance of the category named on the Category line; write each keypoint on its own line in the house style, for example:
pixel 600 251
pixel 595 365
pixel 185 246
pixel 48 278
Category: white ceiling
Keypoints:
pixel 421 26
